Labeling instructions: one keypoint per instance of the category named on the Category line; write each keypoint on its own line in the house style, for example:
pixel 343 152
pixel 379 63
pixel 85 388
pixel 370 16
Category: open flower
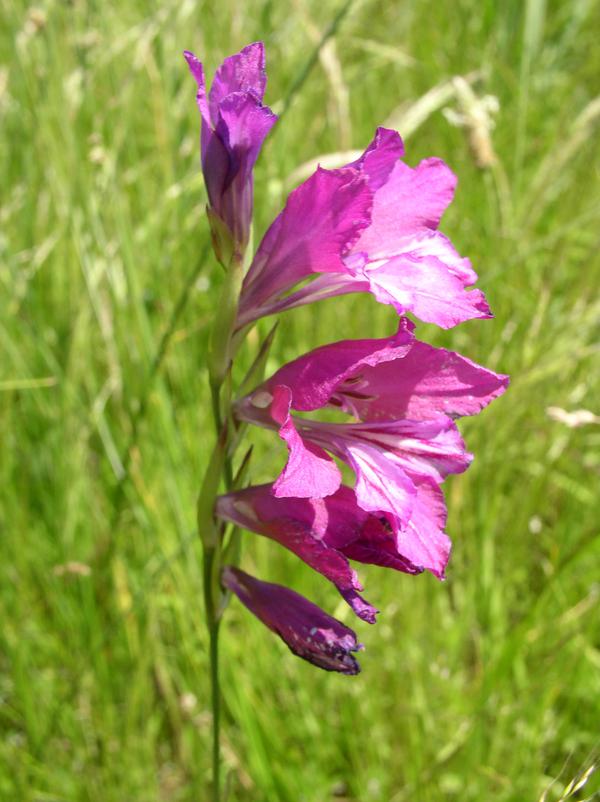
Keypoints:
pixel 390 459
pixel 234 125
pixel 405 395
pixel 308 631
pixel 371 226
pixel 326 533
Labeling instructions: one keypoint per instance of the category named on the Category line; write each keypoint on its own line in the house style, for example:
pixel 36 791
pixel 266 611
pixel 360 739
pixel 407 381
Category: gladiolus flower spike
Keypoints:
pixel 371 226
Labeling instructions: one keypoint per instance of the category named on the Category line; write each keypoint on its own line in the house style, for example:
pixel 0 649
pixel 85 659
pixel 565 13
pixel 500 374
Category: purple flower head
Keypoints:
pixel 308 631
pixel 327 532
pixel 324 532
pixel 392 403
pixel 371 226
pixel 396 464
pixel 404 394
pixel 234 125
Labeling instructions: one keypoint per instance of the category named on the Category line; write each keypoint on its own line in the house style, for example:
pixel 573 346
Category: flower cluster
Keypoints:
pixel 371 226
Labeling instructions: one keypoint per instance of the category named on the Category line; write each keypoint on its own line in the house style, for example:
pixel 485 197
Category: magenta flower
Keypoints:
pixel 328 532
pixel 308 631
pixel 404 394
pixel 234 126
pixel 371 226
pixel 398 465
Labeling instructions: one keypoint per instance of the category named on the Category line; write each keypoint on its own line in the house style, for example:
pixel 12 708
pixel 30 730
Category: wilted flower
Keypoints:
pixel 327 532
pixel 305 628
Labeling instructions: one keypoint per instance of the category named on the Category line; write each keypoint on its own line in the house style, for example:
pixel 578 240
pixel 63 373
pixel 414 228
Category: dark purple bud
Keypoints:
pixel 306 629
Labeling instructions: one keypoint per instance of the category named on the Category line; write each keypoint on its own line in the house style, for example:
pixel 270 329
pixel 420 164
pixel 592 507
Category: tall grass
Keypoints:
pixel 485 687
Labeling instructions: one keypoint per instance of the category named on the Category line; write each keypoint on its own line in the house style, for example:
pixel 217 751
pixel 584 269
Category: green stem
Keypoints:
pixel 215 691
pixel 219 364
pixel 216 708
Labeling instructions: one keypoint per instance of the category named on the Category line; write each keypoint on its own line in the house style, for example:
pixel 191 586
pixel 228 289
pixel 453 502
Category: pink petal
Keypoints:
pixel 380 157
pixel 424 383
pixel 381 485
pixel 412 199
pixel 310 472
pixel 423 542
pixel 314 377
pixel 426 288
pixel 322 218
pixel 387 455
pixel 431 448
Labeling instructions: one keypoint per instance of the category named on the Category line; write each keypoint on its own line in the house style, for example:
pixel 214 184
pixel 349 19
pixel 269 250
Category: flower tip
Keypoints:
pixel 450 179
pixel 258 46
pixel 389 137
pixel 482 305
pixel 195 67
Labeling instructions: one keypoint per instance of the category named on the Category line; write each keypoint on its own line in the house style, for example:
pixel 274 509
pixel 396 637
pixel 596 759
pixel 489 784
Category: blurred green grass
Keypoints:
pixel 485 687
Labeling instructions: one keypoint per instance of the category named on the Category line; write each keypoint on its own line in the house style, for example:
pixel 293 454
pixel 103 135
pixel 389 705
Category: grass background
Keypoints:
pixel 485 687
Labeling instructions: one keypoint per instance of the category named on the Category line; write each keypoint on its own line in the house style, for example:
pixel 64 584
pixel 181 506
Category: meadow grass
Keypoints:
pixel 486 687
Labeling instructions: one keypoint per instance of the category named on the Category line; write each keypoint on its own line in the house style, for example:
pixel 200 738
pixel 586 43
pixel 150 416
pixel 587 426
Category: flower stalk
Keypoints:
pixel 369 227
pixel 219 472
pixel 211 538
pixel 213 622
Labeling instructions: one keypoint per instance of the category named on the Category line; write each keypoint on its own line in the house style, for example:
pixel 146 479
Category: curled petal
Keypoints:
pixel 336 522
pixel 306 629
pixel 309 472
pixel 294 523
